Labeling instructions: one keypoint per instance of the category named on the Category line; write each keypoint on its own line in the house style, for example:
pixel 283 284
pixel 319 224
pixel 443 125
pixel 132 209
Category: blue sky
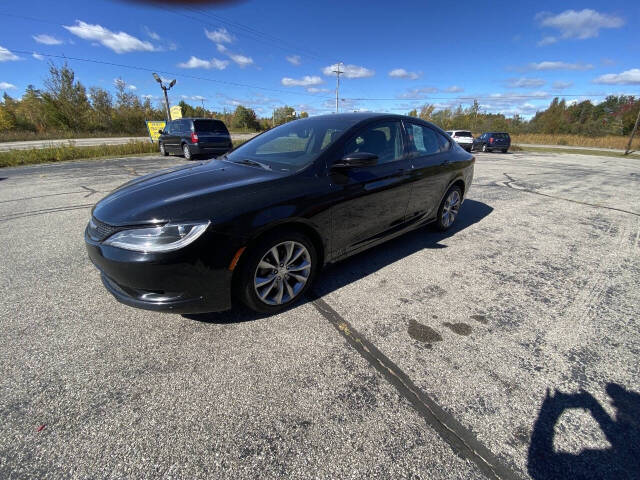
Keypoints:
pixel 512 57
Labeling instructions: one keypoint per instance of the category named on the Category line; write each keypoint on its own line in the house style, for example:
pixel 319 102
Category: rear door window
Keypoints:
pixel 210 126
pixel 425 141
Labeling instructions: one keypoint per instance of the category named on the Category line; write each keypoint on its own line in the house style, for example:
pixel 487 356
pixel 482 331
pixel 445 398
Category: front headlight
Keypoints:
pixel 166 238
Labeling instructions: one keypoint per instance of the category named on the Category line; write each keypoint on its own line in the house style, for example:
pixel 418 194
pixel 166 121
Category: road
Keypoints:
pixel 501 349
pixel 569 147
pixel 87 142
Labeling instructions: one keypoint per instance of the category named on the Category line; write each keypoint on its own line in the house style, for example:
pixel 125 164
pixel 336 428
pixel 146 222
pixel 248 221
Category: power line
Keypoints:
pixel 484 97
pixel 166 72
pixel 291 47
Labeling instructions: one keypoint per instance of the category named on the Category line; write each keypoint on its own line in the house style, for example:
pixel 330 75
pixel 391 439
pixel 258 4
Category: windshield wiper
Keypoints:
pixel 253 163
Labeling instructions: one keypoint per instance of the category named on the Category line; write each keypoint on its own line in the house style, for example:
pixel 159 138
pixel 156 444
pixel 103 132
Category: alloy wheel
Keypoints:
pixel 451 208
pixel 282 273
pixel 186 151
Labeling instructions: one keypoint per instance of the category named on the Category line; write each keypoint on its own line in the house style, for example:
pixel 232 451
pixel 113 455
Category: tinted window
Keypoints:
pixel 185 126
pixel 210 126
pixel 425 141
pixel 294 145
pixel 502 136
pixel 170 127
pixel 444 142
pixel 382 139
pixel 463 134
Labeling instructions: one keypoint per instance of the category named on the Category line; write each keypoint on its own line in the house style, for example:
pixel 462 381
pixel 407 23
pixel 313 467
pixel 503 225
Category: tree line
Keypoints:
pixel 65 106
pixel 616 115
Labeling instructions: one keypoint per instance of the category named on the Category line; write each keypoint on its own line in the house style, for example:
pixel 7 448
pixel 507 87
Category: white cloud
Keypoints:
pixel 240 60
pixel 219 35
pixel 47 39
pixel 294 60
pixel 151 34
pixel 37 56
pixel 559 66
pixel 525 82
pixel 416 93
pixel 7 55
pixel 561 85
pixel 195 62
pixel 454 89
pixel 133 88
pixel 148 96
pixel 402 73
pixel 349 71
pixel 119 42
pixel 317 90
pixel 581 25
pixel 305 81
pixel 6 86
pixel 629 77
pixel 547 41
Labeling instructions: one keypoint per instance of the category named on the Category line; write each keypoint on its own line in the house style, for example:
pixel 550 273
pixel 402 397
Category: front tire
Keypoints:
pixel 186 151
pixel 163 151
pixel 449 208
pixel 277 271
pixel 485 148
pixel 504 150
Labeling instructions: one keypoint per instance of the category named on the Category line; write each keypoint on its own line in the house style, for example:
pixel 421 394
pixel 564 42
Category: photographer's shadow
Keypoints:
pixel 620 461
pixel 363 264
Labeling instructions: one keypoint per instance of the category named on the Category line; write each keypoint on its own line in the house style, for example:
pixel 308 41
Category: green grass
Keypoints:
pixel 600 153
pixel 64 153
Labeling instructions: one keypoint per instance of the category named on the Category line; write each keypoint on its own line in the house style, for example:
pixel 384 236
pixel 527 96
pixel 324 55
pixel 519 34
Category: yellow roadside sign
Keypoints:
pixel 154 127
pixel 176 112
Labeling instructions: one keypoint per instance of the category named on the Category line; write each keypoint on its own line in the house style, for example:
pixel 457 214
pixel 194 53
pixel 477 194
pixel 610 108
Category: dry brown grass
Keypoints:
pixel 610 141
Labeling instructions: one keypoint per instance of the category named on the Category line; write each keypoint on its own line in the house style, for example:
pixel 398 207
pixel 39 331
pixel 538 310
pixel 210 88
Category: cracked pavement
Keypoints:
pixel 518 330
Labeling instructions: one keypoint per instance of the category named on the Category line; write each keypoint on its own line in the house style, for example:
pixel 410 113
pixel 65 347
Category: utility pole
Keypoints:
pixel 633 132
pixel 166 98
pixel 337 71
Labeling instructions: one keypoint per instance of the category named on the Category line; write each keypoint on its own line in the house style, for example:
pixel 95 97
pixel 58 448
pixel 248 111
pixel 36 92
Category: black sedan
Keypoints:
pixel 258 223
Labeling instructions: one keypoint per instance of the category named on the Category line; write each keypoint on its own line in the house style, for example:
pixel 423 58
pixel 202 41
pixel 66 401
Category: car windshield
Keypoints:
pixel 209 126
pixel 294 145
pixel 463 134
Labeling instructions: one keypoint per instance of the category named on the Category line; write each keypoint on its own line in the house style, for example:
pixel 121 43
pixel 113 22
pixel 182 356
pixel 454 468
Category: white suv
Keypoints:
pixel 463 138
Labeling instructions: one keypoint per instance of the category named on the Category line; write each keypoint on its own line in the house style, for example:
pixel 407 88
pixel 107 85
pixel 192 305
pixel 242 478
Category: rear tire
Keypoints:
pixel 449 209
pixel 504 150
pixel 485 148
pixel 163 151
pixel 276 271
pixel 186 151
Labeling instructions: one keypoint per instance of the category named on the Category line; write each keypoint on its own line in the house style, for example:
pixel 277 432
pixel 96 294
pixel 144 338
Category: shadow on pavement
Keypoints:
pixel 621 461
pixel 363 264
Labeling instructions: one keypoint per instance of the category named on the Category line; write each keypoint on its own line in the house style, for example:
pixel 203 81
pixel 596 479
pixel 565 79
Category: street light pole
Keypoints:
pixel 337 71
pixel 166 97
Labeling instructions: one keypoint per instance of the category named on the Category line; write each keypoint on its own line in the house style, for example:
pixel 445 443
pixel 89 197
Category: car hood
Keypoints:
pixel 185 192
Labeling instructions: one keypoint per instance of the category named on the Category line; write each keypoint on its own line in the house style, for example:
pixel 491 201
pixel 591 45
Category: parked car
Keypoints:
pixel 191 137
pixel 259 222
pixel 463 138
pixel 489 141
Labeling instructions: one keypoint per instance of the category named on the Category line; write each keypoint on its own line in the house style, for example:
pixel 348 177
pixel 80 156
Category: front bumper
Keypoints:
pixel 176 282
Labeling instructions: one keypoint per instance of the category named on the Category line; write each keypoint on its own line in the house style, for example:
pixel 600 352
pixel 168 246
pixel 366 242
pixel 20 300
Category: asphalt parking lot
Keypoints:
pixel 505 348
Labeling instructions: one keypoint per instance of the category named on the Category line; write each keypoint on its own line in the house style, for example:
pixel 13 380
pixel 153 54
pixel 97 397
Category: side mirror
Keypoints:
pixel 357 159
pixel 161 132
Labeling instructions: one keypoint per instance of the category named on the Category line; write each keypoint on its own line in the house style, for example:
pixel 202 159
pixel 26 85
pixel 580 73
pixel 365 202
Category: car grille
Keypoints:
pixel 99 231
